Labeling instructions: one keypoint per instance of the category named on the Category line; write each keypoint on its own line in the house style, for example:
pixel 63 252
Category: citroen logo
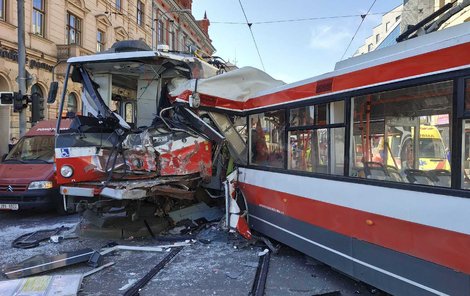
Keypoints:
pixel 10 188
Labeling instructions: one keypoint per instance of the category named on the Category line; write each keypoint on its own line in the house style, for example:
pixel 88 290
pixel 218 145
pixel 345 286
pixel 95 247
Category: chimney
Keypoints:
pixel 186 4
pixel 204 24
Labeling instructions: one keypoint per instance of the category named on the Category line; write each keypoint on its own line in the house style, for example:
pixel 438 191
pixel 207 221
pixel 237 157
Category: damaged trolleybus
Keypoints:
pixel 336 163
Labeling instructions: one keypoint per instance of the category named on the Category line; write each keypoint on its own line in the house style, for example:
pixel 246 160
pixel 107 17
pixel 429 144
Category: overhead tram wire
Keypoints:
pixel 252 35
pixel 311 18
pixel 363 17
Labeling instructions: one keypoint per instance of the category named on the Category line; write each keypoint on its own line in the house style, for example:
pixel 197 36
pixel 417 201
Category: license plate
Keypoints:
pixel 13 207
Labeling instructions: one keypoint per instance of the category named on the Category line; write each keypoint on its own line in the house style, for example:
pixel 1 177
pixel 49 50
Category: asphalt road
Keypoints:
pixel 216 263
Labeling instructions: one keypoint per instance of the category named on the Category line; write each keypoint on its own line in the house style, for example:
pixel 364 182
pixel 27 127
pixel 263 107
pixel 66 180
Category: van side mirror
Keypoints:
pixel 52 92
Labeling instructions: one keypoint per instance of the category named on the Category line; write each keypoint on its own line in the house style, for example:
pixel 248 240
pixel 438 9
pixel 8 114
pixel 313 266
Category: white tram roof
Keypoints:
pixel 129 55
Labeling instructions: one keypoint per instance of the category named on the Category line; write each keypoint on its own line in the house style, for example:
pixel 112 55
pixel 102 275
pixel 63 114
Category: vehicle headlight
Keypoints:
pixel 66 171
pixel 40 185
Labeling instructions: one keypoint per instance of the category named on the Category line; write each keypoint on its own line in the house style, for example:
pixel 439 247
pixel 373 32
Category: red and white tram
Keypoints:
pixel 365 168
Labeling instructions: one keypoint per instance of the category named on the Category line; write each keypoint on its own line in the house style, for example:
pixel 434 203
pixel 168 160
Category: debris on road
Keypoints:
pixel 197 212
pixel 57 285
pixel 134 290
pixel 160 248
pixel 93 271
pixel 42 263
pixel 32 239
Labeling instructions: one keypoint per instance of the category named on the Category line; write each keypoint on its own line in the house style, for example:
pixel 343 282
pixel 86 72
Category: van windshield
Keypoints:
pixel 431 148
pixel 33 149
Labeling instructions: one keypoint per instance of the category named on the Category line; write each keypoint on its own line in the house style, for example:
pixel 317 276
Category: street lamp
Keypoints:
pixel 162 16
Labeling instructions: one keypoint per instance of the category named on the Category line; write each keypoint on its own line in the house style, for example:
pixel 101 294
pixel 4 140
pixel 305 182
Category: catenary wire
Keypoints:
pixel 363 17
pixel 252 35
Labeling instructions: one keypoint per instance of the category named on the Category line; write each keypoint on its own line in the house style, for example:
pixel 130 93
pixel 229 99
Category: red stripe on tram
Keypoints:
pixel 433 244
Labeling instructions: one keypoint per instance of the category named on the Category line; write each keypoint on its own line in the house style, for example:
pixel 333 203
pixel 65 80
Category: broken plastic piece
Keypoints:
pixel 96 259
pixel 57 285
pixel 32 239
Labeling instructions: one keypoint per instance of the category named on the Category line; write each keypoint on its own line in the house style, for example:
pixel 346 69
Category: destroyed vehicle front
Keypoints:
pixel 130 142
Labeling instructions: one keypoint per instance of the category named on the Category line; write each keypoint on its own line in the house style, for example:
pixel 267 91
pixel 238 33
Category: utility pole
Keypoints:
pixel 21 63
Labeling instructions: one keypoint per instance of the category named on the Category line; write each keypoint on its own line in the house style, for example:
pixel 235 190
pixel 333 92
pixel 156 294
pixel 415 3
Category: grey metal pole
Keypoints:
pixel 21 62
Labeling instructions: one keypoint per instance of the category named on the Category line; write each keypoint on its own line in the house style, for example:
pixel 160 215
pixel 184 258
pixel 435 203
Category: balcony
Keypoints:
pixel 65 51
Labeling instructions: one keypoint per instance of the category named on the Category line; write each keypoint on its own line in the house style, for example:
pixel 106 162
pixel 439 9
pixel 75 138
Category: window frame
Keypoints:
pixel 3 16
pixel 160 32
pixel 118 5
pixel 42 13
pixel 314 127
pixel 77 29
pixel 140 13
pixel 100 42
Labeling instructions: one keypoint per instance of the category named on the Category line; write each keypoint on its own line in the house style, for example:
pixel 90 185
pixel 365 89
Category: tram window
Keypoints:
pixel 337 112
pixel 267 139
pixel 129 112
pixel 466 155
pixel 318 150
pixel 309 115
pixel 403 135
pixel 302 116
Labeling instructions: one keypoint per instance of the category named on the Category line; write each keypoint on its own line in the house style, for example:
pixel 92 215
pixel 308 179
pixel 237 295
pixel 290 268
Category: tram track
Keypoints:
pixel 135 289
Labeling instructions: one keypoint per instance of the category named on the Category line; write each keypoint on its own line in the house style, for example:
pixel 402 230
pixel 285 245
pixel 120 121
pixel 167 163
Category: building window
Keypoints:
pixel 387 26
pixel 172 40
pixel 118 5
pixel 268 147
pixel 403 135
pixel 73 29
pixel 72 105
pixel 377 38
pixel 100 41
pixel 140 13
pixel 369 47
pixel 3 10
pixel 38 17
pixel 160 33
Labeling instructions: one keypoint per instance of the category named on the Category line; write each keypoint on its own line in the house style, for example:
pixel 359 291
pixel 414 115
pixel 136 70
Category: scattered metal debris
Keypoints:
pixel 32 239
pixel 57 285
pixel 134 290
pixel 96 259
pixel 42 263
pixel 259 282
pixel 98 269
pixel 160 248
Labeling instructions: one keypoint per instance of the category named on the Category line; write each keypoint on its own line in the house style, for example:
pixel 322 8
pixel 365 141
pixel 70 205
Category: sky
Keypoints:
pixel 292 50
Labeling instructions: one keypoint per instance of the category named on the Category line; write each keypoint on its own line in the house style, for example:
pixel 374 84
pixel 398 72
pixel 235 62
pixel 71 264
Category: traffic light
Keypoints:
pixel 37 107
pixel 19 102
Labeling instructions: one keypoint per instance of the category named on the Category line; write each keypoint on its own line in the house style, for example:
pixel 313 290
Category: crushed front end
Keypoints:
pixel 131 145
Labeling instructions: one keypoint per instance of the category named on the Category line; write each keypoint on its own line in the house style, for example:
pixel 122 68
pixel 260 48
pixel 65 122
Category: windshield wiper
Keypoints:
pixel 14 159
pixel 36 159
